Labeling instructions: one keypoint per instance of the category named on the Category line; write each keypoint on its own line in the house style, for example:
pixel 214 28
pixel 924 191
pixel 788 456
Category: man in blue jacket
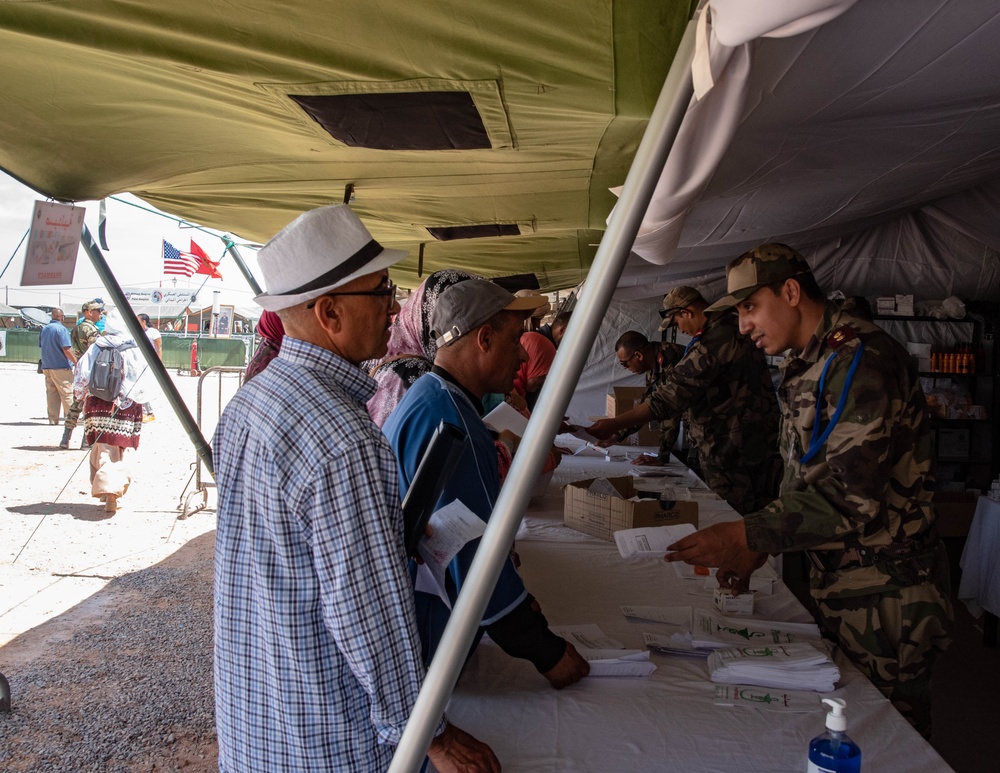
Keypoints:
pixel 478 326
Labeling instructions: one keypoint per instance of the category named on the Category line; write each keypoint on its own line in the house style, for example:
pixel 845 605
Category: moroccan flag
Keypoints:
pixel 177 262
pixel 205 264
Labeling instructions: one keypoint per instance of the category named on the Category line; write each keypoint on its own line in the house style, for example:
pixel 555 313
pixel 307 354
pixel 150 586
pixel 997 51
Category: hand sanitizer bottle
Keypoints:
pixel 833 751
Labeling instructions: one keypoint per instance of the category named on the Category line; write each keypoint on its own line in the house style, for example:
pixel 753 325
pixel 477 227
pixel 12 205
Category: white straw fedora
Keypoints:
pixel 317 252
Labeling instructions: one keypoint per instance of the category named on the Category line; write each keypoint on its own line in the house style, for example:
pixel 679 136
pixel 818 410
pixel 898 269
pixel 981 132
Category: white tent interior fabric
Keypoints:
pixel 868 143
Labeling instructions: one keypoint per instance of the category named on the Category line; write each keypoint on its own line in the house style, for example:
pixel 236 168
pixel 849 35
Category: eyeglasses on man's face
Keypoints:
pixel 389 291
pixel 624 363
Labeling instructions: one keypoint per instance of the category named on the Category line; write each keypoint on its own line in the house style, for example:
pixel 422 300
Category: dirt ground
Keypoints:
pixel 105 618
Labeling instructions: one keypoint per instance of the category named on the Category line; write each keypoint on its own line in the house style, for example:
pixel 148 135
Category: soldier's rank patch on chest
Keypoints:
pixel 841 336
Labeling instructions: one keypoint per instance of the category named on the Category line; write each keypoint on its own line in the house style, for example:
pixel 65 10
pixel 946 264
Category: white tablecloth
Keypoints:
pixel 980 586
pixel 664 722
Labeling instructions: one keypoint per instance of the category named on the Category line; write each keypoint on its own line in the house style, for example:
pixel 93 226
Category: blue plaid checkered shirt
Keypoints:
pixel 317 659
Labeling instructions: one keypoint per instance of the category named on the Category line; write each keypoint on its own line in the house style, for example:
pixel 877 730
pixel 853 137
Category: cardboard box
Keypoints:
pixel 954 511
pixel 625 398
pixel 602 515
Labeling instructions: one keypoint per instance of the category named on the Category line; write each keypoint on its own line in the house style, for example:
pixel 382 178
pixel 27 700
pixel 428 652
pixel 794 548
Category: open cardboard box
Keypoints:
pixel 625 398
pixel 601 515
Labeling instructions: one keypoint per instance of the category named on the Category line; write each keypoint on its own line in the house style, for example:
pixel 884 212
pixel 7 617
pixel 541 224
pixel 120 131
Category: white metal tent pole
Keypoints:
pixel 602 279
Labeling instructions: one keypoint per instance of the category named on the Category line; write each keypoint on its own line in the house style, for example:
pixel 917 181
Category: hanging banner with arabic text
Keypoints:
pixel 53 242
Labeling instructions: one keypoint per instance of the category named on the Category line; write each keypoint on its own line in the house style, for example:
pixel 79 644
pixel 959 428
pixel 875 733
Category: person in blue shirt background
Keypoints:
pixel 57 365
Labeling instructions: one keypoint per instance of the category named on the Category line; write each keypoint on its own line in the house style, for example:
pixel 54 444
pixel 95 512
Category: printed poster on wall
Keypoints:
pixel 53 242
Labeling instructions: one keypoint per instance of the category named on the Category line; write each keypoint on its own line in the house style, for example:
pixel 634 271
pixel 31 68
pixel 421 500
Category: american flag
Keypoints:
pixel 177 262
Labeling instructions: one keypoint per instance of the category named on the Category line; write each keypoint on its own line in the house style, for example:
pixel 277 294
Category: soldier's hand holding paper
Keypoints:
pixel 716 545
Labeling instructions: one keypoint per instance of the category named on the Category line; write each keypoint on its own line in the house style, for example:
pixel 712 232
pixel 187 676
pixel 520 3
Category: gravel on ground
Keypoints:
pixel 105 618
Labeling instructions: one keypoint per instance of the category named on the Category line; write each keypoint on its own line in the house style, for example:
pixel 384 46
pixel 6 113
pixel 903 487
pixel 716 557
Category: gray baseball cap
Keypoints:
pixel 465 306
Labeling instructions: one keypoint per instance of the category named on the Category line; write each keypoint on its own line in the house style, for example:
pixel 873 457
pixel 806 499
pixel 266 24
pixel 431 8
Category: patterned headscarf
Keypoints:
pixel 411 331
pixel 411 348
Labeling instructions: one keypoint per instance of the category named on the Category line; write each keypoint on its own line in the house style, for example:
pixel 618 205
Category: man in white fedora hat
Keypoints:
pixel 317 658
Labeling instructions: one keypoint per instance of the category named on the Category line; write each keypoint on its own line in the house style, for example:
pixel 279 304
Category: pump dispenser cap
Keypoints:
pixel 836 720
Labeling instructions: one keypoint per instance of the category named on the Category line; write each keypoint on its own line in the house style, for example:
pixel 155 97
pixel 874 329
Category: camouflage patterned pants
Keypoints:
pixel 893 638
pixel 73 415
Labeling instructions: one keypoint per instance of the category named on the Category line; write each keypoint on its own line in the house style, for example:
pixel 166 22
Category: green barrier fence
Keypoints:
pixel 212 352
pixel 22 346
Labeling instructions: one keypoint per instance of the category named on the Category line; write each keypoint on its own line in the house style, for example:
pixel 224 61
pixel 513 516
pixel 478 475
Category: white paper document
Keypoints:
pixel 578 431
pixel 712 630
pixel 454 526
pixel 691 572
pixel 650 541
pixel 505 417
pixel 677 643
pixel 679 616
pixel 766 698
pixel 606 656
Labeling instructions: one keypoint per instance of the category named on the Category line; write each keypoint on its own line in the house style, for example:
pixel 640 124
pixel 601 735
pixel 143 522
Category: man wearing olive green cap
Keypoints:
pixel 856 493
pixel 723 388
pixel 83 335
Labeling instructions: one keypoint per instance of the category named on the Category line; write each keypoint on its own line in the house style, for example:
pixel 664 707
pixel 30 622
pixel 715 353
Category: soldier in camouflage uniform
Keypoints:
pixel 856 493
pixel 724 385
pixel 638 354
pixel 82 336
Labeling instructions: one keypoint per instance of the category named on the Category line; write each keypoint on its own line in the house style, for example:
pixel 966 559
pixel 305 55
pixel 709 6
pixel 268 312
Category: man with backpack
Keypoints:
pixel 107 384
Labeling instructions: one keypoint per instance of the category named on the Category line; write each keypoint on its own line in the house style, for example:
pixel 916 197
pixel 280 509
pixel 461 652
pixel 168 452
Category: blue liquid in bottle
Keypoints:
pixel 834 752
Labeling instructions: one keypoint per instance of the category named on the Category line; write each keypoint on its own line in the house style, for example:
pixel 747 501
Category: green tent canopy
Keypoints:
pixel 439 116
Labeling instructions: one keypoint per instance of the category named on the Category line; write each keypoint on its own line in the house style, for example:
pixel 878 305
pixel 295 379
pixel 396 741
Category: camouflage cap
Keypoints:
pixel 760 266
pixel 91 305
pixel 677 299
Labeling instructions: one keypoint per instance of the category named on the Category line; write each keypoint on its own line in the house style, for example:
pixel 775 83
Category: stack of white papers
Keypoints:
pixel 713 631
pixel 785 666
pixel 606 656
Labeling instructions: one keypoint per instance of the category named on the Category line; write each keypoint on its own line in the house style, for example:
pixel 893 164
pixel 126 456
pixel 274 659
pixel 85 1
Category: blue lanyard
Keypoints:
pixel 818 439
pixel 691 343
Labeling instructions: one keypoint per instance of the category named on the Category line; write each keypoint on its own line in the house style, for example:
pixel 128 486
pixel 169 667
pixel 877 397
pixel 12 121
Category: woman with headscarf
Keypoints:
pixel 271 332
pixel 112 427
pixel 411 348
pixel 532 373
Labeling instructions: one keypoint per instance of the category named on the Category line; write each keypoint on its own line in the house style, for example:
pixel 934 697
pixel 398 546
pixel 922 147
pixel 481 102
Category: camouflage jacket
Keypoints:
pixel 862 504
pixel 724 385
pixel 83 335
pixel 667 355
